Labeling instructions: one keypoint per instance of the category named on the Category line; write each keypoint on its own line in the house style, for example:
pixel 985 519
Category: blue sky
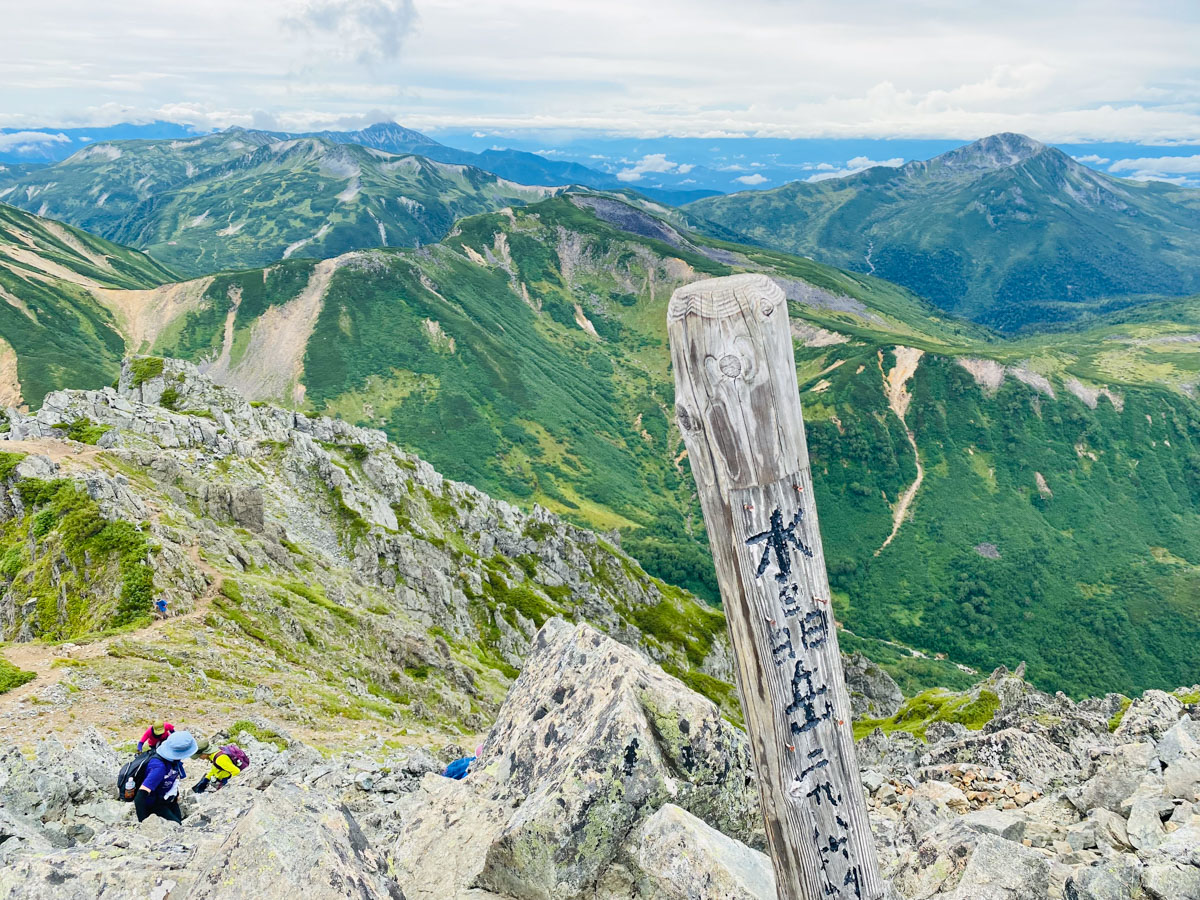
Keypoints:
pixel 559 74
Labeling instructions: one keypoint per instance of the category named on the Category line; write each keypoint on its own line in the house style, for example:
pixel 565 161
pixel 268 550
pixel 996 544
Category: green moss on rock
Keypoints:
pixel 921 711
pixel 145 368
pixel 1115 722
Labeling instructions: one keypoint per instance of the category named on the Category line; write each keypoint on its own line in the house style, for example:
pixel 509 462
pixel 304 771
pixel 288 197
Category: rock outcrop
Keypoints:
pixel 591 743
pixel 399 572
pixel 873 692
pixel 605 778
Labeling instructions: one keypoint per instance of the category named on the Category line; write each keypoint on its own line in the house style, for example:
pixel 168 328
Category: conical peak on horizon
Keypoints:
pixel 994 151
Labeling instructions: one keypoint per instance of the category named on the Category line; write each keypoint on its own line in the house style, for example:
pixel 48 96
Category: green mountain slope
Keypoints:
pixel 1005 231
pixel 1058 488
pixel 101 185
pixel 53 331
pixel 527 354
pixel 244 198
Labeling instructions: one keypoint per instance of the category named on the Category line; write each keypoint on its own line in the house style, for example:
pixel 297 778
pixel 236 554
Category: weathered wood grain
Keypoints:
pixel 738 406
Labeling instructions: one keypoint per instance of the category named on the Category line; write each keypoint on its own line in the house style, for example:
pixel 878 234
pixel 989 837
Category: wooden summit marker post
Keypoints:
pixel 738 406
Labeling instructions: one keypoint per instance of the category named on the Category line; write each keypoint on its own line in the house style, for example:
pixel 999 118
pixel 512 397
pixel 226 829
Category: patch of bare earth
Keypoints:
pixel 896 385
pixel 815 336
pixel 10 385
pixel 32 260
pixel 96 259
pixel 273 363
pixel 235 301
pixel 143 315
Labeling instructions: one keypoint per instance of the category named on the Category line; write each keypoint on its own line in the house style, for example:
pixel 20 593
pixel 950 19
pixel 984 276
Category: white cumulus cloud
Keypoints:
pixel 1091 159
pixel 1183 170
pixel 652 163
pixel 29 141
pixel 1067 72
pixel 751 179
pixel 857 164
pixel 368 30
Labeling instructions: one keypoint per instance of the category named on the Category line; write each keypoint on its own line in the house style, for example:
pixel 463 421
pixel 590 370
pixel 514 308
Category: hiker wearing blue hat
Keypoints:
pixel 159 792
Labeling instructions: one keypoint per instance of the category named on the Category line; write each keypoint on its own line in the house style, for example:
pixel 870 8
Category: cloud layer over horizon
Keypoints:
pixel 1065 72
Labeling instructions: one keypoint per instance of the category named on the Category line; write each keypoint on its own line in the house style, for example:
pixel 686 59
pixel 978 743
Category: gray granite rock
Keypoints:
pixel 675 856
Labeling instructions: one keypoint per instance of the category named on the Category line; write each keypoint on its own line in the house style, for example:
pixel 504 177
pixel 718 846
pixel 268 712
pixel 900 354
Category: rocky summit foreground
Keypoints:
pixel 355 621
pixel 605 778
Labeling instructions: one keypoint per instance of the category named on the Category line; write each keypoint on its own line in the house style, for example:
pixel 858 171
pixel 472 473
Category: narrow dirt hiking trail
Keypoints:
pixel 895 384
pixel 54 450
pixel 39 658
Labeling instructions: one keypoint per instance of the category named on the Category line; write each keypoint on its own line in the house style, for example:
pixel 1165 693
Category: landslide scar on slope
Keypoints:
pixel 143 315
pixel 10 387
pixel 895 383
pixel 273 363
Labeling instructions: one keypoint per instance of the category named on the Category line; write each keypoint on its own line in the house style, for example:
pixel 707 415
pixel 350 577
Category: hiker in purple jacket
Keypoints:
pixel 159 793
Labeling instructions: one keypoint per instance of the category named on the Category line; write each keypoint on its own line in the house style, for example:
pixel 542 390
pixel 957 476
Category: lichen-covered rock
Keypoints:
pixel 675 856
pixel 591 741
pixel 932 803
pixel 1002 870
pixel 1150 716
pixel 446 829
pixel 294 843
pixel 935 866
pixel 1118 878
pixel 1116 778
pixel 1026 757
pixel 19 834
pixel 892 754
pixel 1167 882
pixel 1110 830
pixel 1181 741
pixel 283 844
pixel 1179 754
pixel 1180 847
pixel 1147 810
pixel 873 692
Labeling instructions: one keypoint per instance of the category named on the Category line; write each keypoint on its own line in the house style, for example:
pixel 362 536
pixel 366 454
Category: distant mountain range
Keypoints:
pixel 1005 231
pixel 249 198
pixel 1047 485
pixel 21 151
pixel 515 165
pixel 42 146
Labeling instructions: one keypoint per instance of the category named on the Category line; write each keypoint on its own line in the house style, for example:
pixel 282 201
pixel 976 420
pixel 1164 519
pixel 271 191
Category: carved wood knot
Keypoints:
pixel 731 366
pixel 687 422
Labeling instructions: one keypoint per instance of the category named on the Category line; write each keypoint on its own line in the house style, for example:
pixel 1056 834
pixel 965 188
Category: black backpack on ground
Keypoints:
pixel 134 770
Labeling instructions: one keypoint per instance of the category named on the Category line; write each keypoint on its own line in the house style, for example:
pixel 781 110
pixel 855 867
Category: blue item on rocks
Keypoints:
pixel 458 769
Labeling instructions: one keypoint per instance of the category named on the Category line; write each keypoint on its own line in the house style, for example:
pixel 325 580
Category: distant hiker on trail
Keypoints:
pixel 226 762
pixel 159 792
pixel 160 606
pixel 155 735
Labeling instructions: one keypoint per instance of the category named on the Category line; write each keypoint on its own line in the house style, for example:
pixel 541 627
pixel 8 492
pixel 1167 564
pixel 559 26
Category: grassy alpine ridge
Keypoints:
pixel 527 355
pixel 60 334
pixel 1004 231
pixel 244 198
